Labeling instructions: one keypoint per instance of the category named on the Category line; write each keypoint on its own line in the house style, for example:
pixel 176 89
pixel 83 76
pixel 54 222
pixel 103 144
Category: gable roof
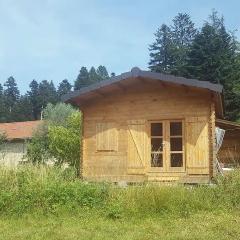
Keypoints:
pixel 19 130
pixel 135 72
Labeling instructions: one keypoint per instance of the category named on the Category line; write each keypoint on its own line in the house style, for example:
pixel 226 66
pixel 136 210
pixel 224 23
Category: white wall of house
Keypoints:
pixel 12 153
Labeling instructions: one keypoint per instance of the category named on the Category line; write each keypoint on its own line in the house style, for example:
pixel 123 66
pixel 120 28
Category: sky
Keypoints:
pixel 52 39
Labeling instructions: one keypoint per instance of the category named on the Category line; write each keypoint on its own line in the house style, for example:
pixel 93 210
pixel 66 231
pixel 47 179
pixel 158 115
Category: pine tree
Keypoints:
pixel 11 96
pixel 183 34
pixel 47 93
pixel 82 79
pixel 1 90
pixel 34 99
pixel 169 52
pixel 212 57
pixel 64 87
pixel 161 51
pixel 11 91
pixel 3 110
pixel 93 76
pixel 22 111
pixel 102 72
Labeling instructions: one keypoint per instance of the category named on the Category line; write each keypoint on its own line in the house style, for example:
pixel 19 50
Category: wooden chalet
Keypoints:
pixel 144 126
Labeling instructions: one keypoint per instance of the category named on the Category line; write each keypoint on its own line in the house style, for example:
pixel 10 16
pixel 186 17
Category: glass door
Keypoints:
pixel 167 146
pixel 157 149
pixel 176 146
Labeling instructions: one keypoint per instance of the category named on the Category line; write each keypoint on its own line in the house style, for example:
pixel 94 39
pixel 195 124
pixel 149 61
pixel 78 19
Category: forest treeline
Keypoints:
pixel 209 53
pixel 16 107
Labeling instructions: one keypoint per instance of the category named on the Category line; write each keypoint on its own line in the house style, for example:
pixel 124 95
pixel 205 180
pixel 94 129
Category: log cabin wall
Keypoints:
pixel 111 120
pixel 229 153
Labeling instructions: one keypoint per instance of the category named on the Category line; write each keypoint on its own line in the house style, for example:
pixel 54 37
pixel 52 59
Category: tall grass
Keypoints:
pixel 47 190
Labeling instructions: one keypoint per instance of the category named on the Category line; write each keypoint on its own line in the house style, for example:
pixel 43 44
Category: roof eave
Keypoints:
pixel 136 72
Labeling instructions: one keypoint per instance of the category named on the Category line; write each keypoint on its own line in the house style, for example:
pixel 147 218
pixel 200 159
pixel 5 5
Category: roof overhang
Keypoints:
pixel 75 97
pixel 228 124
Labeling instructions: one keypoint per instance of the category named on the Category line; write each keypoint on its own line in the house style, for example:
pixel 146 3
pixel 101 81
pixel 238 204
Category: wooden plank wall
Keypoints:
pixel 229 153
pixel 145 100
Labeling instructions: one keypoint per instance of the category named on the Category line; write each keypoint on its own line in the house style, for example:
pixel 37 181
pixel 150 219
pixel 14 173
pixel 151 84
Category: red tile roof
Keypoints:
pixel 19 130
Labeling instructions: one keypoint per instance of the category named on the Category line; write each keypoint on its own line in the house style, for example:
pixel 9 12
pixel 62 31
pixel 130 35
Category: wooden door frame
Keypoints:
pixel 166 151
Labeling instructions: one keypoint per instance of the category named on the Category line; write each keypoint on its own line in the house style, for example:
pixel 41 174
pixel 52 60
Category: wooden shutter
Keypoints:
pixel 137 146
pixel 106 137
pixel 197 145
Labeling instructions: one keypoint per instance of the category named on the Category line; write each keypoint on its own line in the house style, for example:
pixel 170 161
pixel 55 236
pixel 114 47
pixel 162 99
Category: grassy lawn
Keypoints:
pixel 50 203
pixel 93 226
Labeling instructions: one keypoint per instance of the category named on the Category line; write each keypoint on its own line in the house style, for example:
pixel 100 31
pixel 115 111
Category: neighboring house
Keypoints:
pixel 229 153
pixel 17 134
pixel 145 126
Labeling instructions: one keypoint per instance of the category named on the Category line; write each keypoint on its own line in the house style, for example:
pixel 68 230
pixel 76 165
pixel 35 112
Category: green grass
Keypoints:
pixel 93 226
pixel 50 203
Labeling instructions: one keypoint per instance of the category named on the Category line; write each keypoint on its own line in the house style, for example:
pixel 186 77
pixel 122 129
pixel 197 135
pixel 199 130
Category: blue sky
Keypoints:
pixel 52 39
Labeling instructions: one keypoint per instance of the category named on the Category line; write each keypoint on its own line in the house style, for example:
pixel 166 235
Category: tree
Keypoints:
pixel 47 93
pixel 161 51
pixel 3 110
pixel 34 98
pixel 93 76
pixel 183 33
pixel 11 96
pixel 168 53
pixel 64 87
pixel 213 57
pixel 22 110
pixel 38 146
pixel 64 141
pixel 82 79
pixel 58 137
pixel 11 91
pixel 1 90
pixel 102 73
pixel 57 114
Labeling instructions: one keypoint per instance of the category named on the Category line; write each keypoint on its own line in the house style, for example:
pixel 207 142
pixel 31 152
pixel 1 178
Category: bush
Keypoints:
pixel 57 115
pixel 58 137
pixel 64 142
pixel 38 146
pixel 3 139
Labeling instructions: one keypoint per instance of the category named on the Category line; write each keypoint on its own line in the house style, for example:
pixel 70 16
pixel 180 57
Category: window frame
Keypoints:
pixel 166 152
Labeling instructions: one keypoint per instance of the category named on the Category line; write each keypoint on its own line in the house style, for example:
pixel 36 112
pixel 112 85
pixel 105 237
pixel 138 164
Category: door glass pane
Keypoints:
pixel 156 144
pixel 175 128
pixel 156 129
pixel 176 160
pixel 176 144
pixel 156 160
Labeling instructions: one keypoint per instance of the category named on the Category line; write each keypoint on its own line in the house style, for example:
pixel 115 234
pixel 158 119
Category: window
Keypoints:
pixel 156 145
pixel 176 144
pixel 106 136
pixel 167 145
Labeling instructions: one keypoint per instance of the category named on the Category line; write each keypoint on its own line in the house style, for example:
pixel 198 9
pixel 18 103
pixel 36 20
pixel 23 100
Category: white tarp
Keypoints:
pixel 219 140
